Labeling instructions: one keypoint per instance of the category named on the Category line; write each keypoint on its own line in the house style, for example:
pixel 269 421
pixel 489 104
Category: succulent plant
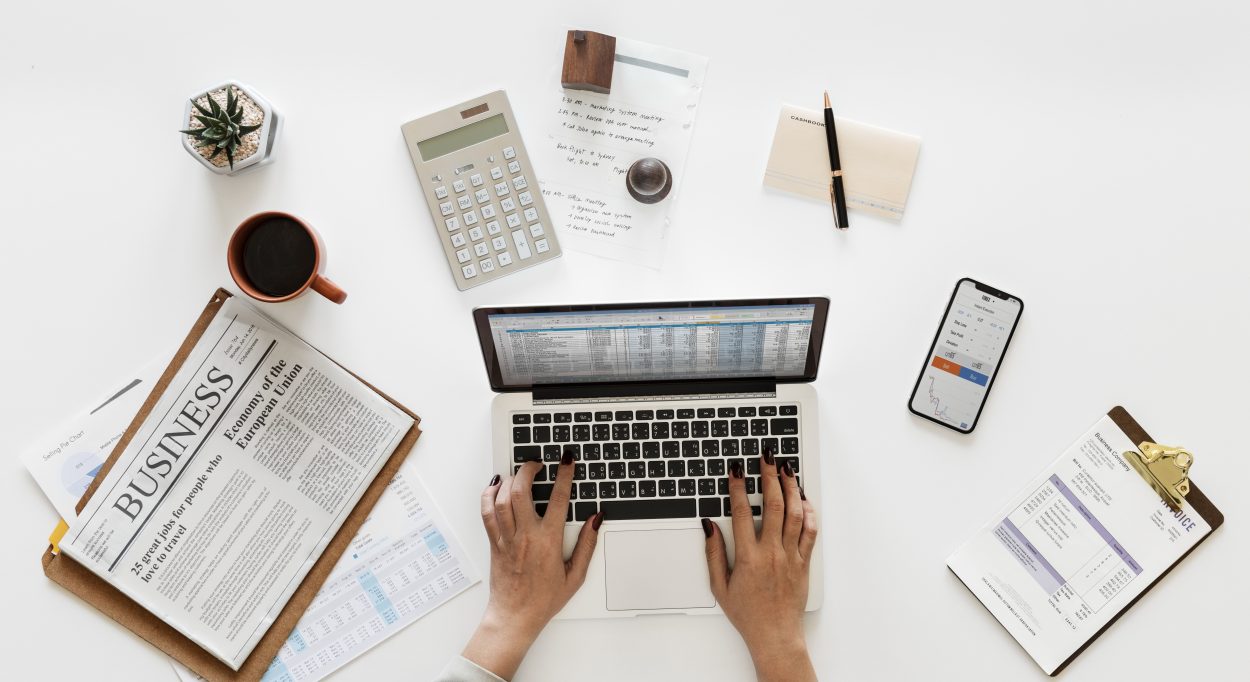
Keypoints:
pixel 223 128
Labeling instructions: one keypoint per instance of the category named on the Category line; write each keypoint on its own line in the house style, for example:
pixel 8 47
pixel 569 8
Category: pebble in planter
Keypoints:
pixel 230 129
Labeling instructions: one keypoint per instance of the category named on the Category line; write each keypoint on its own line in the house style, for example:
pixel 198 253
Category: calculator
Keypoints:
pixel 480 186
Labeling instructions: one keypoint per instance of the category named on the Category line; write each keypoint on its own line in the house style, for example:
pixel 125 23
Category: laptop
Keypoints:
pixel 655 401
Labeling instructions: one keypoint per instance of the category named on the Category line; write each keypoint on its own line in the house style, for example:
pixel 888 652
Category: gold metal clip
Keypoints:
pixel 1165 468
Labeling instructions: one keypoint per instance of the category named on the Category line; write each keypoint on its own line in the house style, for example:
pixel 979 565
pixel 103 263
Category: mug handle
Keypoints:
pixel 328 289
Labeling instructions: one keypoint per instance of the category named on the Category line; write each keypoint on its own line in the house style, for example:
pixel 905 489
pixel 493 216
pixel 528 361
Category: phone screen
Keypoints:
pixel 965 356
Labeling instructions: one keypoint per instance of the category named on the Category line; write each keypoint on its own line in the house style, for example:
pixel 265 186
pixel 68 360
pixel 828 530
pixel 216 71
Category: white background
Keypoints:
pixel 1086 156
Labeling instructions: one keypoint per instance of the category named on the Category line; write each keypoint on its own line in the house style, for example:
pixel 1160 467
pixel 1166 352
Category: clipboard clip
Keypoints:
pixel 1165 468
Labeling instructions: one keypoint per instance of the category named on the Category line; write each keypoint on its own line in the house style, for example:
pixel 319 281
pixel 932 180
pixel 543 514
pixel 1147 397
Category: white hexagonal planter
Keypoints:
pixel 258 144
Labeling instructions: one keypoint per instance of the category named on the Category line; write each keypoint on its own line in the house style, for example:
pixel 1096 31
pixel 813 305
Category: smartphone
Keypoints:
pixel 965 356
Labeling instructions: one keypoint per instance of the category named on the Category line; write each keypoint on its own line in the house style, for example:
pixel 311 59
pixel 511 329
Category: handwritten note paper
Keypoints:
pixel 592 139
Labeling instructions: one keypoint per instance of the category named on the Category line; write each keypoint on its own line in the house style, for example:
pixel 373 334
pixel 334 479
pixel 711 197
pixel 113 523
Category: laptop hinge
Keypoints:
pixel 677 390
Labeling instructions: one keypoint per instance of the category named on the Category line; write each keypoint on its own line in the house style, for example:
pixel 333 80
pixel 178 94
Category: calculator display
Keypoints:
pixel 467 136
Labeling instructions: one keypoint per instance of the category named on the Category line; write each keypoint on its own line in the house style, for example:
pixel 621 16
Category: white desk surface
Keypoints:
pixel 1089 157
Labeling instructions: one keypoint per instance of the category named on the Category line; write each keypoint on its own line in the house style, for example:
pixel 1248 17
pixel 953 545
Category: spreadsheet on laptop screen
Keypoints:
pixel 652 344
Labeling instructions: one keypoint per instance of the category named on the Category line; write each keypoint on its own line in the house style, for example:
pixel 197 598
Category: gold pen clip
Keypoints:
pixel 1165 468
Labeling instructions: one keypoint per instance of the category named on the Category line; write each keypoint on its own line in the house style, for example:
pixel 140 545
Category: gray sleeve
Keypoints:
pixel 461 669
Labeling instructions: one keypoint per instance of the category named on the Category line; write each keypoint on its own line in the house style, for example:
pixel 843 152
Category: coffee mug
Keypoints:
pixel 274 257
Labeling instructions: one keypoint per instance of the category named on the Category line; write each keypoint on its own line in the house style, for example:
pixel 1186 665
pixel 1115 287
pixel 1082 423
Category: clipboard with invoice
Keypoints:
pixel 1080 545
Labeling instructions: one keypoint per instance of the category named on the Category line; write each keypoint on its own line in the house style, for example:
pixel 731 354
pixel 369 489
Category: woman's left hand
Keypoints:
pixel 530 581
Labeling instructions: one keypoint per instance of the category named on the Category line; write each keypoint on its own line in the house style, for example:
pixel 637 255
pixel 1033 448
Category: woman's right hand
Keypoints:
pixel 765 593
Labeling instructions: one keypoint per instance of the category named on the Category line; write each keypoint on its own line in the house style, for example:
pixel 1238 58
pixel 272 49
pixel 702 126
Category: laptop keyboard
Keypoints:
pixel 655 463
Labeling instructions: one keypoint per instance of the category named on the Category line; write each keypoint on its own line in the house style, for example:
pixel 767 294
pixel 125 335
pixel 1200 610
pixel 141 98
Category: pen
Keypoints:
pixel 836 193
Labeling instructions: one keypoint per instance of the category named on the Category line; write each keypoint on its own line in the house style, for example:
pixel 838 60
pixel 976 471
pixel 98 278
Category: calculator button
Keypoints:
pixel 522 244
pixel 470 218
pixel 536 230
pixel 458 186
pixel 526 198
pixel 505 258
pixel 496 173
pixel 508 205
pixel 476 180
pixel 501 189
pixel 509 153
pixel 531 214
pixel 453 224
pixel 541 246
pixel 445 208
pixel 488 211
pixel 493 227
pixel 440 192
pixel 487 264
pixel 464 202
pixel 462 255
pixel 513 220
pixel 519 183
pixel 514 166
pixel 475 234
pixel 482 196
pixel 499 243
pixel 480 249
pixel 469 271
pixel 457 239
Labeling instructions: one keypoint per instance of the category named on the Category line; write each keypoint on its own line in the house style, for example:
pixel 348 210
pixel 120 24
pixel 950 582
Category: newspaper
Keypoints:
pixel 244 470
pixel 404 562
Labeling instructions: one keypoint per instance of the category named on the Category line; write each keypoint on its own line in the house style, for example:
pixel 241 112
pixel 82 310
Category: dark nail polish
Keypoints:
pixel 736 469
pixel 567 457
pixel 802 495
pixel 785 469
pixel 494 481
pixel 707 528
pixel 598 521
pixel 769 458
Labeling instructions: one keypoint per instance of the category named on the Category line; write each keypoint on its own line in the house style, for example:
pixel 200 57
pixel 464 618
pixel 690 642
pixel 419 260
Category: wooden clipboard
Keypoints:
pixel 1195 500
pixel 95 591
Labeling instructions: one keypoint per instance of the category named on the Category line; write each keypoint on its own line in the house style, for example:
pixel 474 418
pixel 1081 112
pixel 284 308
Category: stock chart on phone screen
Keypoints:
pixel 965 357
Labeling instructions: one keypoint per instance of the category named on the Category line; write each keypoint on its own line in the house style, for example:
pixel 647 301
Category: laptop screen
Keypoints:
pixel 652 342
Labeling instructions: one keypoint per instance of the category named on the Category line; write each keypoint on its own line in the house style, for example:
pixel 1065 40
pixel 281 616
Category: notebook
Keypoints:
pixel 877 164
pixel 1080 544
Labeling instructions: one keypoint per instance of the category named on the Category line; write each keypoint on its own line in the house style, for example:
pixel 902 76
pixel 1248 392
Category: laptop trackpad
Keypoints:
pixel 656 569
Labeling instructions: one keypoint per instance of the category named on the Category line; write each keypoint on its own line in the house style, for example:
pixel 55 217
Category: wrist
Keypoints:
pixel 780 656
pixel 500 643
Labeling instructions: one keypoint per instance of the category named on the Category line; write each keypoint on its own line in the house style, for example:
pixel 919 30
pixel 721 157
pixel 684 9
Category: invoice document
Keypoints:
pixel 1075 547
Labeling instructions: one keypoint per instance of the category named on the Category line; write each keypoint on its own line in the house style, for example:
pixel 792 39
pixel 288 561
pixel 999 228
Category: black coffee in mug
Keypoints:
pixel 279 256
